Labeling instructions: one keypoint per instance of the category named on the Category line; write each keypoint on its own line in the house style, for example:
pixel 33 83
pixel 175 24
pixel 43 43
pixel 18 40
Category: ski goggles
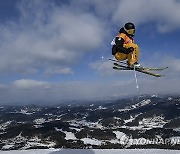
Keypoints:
pixel 131 31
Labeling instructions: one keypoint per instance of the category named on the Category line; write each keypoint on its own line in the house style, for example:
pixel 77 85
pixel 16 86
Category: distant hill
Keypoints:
pixel 148 121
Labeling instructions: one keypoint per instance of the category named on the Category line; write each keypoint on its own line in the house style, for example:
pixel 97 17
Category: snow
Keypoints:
pixel 35 144
pixel 25 111
pixel 3 126
pixel 92 151
pixel 124 110
pixel 122 139
pixel 38 126
pixel 91 141
pixel 77 129
pixel 154 122
pixel 70 136
pixel 135 106
pixel 86 123
pixel 146 123
pixel 101 108
pixel 154 96
pixel 145 102
pixel 8 146
pixel 39 121
pixel 142 103
pixel 169 98
pixel 58 130
pixel 118 134
pixel 177 129
pixel 129 120
pixel 32 142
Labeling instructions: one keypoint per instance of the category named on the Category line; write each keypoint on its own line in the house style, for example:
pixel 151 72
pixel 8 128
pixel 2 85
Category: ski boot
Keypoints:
pixel 136 65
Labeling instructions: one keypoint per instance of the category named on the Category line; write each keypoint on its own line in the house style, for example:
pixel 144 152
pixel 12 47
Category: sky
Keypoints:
pixel 57 50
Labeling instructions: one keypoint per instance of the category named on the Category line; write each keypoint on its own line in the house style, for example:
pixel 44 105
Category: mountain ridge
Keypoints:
pixel 150 119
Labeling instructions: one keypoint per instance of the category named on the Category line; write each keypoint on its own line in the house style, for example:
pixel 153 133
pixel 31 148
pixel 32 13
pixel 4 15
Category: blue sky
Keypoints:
pixel 52 51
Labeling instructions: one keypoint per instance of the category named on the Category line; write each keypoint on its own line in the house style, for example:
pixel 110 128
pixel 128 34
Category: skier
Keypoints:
pixel 124 46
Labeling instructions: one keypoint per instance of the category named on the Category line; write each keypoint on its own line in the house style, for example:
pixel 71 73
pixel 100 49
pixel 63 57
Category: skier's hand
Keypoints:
pixel 129 50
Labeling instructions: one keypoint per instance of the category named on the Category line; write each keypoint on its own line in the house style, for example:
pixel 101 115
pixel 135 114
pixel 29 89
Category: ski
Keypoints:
pixel 121 65
pixel 138 70
pixel 143 68
pixel 121 62
pixel 154 69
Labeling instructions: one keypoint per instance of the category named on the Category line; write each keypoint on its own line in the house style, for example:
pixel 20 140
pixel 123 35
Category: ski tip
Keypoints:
pixel 115 68
pixel 159 75
pixel 116 64
pixel 165 68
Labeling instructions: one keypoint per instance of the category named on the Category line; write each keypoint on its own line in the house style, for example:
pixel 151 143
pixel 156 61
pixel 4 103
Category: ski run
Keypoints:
pixel 92 151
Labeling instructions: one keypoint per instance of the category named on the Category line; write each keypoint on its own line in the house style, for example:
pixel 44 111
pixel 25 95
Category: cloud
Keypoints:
pixel 102 66
pixel 28 84
pixel 58 70
pixel 51 38
pixel 170 83
pixel 121 83
pixel 27 91
pixel 47 36
pixel 157 59
pixel 164 15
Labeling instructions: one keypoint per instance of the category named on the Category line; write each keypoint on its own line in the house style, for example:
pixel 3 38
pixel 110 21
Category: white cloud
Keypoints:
pixel 165 15
pixel 28 84
pixel 31 91
pixel 157 59
pixel 170 83
pixel 51 39
pixel 47 36
pixel 58 70
pixel 26 91
pixel 102 66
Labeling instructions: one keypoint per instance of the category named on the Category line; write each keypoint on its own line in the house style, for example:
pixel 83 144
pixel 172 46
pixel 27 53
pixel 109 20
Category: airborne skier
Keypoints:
pixel 124 46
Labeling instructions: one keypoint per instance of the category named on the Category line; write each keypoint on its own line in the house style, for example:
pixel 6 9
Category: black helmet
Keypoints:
pixel 129 28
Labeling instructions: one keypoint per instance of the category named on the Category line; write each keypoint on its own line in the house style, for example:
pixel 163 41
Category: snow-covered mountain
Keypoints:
pixel 137 122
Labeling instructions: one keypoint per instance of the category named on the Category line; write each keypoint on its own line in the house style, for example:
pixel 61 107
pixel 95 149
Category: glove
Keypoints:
pixel 129 50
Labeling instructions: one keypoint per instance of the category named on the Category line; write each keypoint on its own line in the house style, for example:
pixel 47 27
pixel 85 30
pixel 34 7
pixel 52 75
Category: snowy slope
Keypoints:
pixel 138 122
pixel 93 151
